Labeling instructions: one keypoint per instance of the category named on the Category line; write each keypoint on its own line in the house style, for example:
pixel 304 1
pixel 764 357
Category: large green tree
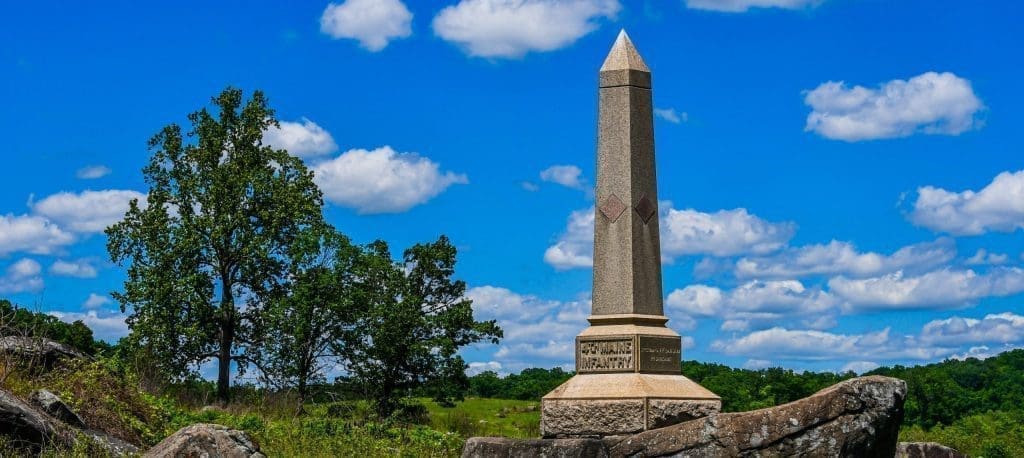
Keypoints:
pixel 412 318
pixel 211 244
pixel 307 323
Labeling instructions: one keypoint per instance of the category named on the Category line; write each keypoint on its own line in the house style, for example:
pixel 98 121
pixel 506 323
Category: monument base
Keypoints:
pixel 597 405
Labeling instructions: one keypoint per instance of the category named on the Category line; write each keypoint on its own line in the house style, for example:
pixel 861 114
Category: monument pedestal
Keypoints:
pixel 627 380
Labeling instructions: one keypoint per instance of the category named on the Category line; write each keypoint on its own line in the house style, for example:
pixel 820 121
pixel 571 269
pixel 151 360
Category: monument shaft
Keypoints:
pixel 627 362
pixel 627 255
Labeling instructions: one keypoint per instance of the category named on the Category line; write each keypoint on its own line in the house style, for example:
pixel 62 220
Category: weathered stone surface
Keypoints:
pixel 667 412
pixel 858 417
pixel 206 440
pixel 489 447
pixel 38 350
pixel 28 426
pixel 113 445
pixel 53 405
pixel 926 450
pixel 584 417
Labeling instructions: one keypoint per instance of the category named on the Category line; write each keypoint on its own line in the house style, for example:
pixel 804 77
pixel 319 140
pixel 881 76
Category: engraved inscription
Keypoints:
pixel 660 354
pixel 606 355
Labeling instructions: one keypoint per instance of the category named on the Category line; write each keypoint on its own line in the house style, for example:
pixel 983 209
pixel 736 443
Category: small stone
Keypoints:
pixel 206 440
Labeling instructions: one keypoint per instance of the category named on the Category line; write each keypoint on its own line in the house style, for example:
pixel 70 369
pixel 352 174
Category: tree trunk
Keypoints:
pixel 227 336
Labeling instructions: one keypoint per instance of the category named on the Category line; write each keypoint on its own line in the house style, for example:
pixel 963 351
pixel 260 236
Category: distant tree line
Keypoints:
pixel 229 259
pixel 20 321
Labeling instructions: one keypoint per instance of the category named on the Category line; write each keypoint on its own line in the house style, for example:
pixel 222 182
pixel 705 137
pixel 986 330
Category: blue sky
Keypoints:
pixel 841 179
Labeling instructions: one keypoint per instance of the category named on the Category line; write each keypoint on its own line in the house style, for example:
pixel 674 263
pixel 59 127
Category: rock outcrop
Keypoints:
pixel 38 350
pixel 53 405
pixel 858 417
pixel 926 450
pixel 206 439
pixel 29 427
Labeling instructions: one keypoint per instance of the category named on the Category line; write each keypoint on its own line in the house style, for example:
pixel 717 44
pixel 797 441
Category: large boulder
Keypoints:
pixel 38 350
pixel 858 417
pixel 53 405
pixel 29 427
pixel 206 440
pixel 926 450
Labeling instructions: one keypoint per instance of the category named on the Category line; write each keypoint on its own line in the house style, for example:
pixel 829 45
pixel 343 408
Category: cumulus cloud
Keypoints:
pixel 859 367
pixel 87 211
pixel 569 176
pixel 478 367
pixel 105 325
pixel 303 139
pixel 374 23
pixel 382 180
pixel 1002 328
pixel 931 103
pixel 95 301
pixel 982 257
pixel 998 207
pixel 80 268
pixel 756 304
pixel 512 28
pixel 837 257
pixel 31 234
pixel 812 345
pixel 722 233
pixel 938 289
pixel 538 332
pixel 670 115
pixel 92 172
pixel 22 276
pixel 683 232
pixel 739 6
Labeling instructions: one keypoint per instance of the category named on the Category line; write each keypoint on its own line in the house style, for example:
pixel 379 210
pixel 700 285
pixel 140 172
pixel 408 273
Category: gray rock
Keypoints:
pixel 206 440
pixel 487 447
pixel 30 427
pixel 858 417
pixel 926 450
pixel 53 405
pixel 113 446
pixel 38 350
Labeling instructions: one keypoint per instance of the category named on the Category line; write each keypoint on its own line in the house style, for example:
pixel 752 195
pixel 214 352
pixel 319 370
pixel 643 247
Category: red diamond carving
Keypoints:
pixel 646 209
pixel 612 207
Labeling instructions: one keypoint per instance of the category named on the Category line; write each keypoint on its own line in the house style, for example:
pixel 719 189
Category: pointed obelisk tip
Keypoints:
pixel 624 56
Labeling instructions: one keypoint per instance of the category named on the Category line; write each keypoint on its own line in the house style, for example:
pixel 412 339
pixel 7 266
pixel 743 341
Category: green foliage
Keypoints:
pixel 943 393
pixel 989 434
pixel 412 319
pixel 745 389
pixel 217 227
pixel 530 384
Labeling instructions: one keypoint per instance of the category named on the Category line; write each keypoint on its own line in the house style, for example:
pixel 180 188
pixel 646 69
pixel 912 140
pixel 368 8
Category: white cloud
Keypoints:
pixel 92 172
pixel 575 247
pixel 80 268
pixel 1001 328
pixel 382 180
pixel 670 115
pixel 932 103
pixel 95 301
pixel 739 6
pixel 982 257
pixel 478 367
pixel 809 345
pixel 756 304
pixel 569 176
pixel 683 232
pixel 512 28
pixel 22 276
pixel 938 289
pixel 722 233
pixel 374 23
pixel 105 325
pixel 843 258
pixel 859 367
pixel 538 332
pixel 303 139
pixel 755 364
pixel 32 234
pixel 529 186
pixel 996 207
pixel 88 211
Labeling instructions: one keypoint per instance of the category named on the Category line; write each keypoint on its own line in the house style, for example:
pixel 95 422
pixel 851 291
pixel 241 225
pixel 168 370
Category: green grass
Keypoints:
pixel 487 417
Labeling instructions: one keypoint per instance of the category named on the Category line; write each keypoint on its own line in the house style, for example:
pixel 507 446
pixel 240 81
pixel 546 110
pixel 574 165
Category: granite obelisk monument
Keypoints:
pixel 628 361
